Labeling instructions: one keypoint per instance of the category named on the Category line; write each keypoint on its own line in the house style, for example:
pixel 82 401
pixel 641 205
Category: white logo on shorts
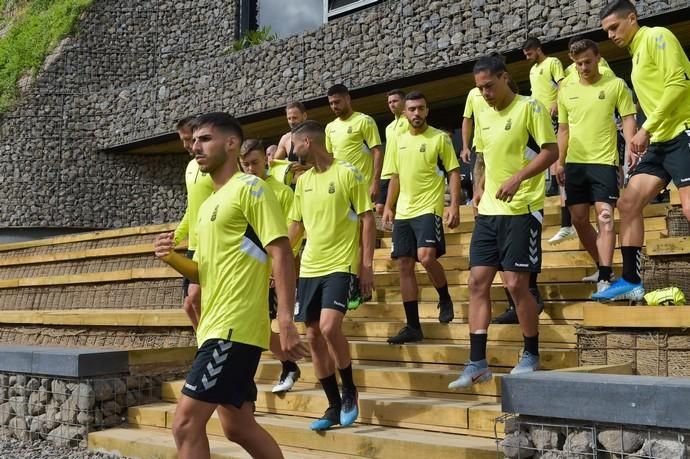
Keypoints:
pixel 522 265
pixel 431 241
pixel 297 308
pixel 338 304
pixel 683 180
pixel 190 387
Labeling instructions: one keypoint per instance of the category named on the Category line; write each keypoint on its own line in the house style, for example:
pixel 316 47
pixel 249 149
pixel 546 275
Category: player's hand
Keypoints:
pixel 387 218
pixel 290 342
pixel 466 155
pixel 366 281
pixel 553 111
pixel 297 167
pixel 374 189
pixel 451 216
pixel 476 198
pixel 639 142
pixel 560 174
pixel 164 244
pixel 508 189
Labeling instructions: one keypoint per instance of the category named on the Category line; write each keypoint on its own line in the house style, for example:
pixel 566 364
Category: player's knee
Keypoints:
pixel 330 331
pixel 478 286
pixel 515 285
pixel 605 218
pixel 427 258
pixel 628 203
pixel 184 428
pixel 406 265
pixel 236 432
pixel 579 220
pixel 314 333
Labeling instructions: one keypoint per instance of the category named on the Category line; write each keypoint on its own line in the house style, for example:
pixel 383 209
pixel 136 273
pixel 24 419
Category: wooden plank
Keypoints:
pixel 668 246
pixel 93 278
pixel 602 315
pixel 619 369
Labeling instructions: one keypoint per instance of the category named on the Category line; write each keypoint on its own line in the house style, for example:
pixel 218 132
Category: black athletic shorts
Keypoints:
pixel 185 281
pixel 668 160
pixel 590 183
pixel 223 373
pixel 383 191
pixel 507 242
pixel 412 233
pixel 332 291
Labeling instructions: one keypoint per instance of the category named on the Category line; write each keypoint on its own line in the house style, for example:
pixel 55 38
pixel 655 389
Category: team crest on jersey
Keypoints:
pixel 509 124
pixel 215 213
pixel 349 130
pixel 602 96
pixel 422 148
pixel 331 188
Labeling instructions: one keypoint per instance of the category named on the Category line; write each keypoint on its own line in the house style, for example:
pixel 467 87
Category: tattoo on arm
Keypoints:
pixel 478 172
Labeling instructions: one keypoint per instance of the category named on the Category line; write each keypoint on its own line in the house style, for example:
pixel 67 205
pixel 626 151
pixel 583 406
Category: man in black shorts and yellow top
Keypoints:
pixel 588 151
pixel 507 232
pixel 416 166
pixel 254 161
pixel 331 200
pixel 242 239
pixel 399 125
pixel 199 187
pixel 661 79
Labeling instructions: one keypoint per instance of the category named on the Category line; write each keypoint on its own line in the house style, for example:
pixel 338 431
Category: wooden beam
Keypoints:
pixel 601 315
pixel 668 246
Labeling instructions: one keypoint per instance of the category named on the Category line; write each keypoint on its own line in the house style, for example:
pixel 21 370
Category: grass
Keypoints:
pixel 36 29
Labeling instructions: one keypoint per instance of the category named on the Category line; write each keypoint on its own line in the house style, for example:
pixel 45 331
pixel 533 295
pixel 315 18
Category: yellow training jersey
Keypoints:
pixel 199 187
pixel 235 224
pixel 352 140
pixel 544 79
pixel 588 110
pixel 398 126
pixel 474 105
pixel 285 197
pixel 661 79
pixel 416 160
pixel 571 71
pixel 329 204
pixel 503 139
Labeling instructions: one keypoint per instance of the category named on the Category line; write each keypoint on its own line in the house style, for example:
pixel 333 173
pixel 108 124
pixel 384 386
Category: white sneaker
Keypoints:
pixel 563 234
pixel 286 382
pixel 594 278
pixel 602 285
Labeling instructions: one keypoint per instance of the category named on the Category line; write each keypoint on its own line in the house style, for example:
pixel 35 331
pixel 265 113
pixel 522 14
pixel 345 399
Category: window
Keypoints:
pixel 284 18
pixel 335 8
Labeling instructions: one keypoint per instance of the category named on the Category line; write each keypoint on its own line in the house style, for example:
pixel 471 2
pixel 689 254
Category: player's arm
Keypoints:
pixel 450 163
pixel 182 229
pixel 366 274
pixel 164 247
pixel 467 128
pixel 281 152
pixel 563 139
pixel 378 167
pixel 295 233
pixel 558 75
pixel 391 200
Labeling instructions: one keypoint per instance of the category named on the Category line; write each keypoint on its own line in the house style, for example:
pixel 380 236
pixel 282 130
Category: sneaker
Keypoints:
pixel 287 380
pixel 329 419
pixel 508 317
pixel 445 311
pixel 350 408
pixel 621 290
pixel 406 334
pixel 553 190
pixel 594 278
pixel 474 373
pixel 563 234
pixel 603 285
pixel 528 363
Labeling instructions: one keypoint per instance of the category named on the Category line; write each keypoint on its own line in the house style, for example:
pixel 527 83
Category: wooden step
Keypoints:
pixel 602 315
pixel 668 246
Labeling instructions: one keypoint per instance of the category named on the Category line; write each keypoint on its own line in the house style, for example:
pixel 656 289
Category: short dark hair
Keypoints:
pixel 298 105
pixel 617 7
pixel 415 95
pixel 396 92
pixel 338 89
pixel 575 38
pixel 491 64
pixel 581 46
pixel 250 145
pixel 220 120
pixel 531 43
pixel 310 127
pixel 186 123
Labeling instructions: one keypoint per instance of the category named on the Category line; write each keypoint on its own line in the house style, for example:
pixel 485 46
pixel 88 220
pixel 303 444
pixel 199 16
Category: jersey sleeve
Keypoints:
pixel 329 143
pixel 390 159
pixel 295 213
pixel 262 211
pixel 556 68
pixel 469 107
pixel 182 229
pixel 624 102
pixel 370 132
pixel 447 154
pixel 539 123
pixel 359 194
pixel 562 110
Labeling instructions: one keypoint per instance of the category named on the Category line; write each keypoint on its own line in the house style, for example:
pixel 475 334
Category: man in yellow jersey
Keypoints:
pixel 242 239
pixel 396 104
pixel 570 71
pixel 507 232
pixel 661 147
pixel 199 187
pixel 254 161
pixel 354 137
pixel 588 151
pixel 331 200
pixel 415 199
pixel 296 113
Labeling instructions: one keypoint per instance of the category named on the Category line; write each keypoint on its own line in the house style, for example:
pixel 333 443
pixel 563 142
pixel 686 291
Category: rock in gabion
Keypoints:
pixel 516 445
pixel 613 440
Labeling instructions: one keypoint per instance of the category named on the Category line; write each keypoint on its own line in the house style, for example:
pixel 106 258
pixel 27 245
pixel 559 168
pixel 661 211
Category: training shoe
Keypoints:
pixel 287 380
pixel 603 285
pixel 528 363
pixel 621 290
pixel 329 419
pixel 474 373
pixel 508 317
pixel 445 311
pixel 563 234
pixel 406 334
pixel 350 408
pixel 594 278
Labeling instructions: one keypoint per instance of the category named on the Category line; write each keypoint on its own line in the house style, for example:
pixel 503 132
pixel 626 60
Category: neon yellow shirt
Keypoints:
pixel 352 140
pixel 398 126
pixel 280 170
pixel 474 105
pixel 571 71
pixel 661 78
pixel 235 224
pixel 416 162
pixel 544 79
pixel 329 204
pixel 199 187
pixel 503 139
pixel 285 197
pixel 588 110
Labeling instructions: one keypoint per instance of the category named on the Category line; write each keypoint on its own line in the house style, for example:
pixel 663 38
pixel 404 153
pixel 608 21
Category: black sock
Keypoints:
pixel 330 387
pixel 346 377
pixel 478 346
pixel 532 344
pixel 412 314
pixel 533 280
pixel 565 218
pixel 443 294
pixel 288 365
pixel 631 263
pixel 511 303
pixel 605 273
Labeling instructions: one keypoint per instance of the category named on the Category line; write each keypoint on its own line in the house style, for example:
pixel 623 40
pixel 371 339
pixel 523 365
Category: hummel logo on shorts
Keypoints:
pixel 427 240
pixel 521 265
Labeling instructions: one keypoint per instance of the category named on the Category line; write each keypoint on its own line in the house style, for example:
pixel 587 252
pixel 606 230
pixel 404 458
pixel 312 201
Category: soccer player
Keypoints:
pixel 507 232
pixel 242 238
pixel 399 125
pixel 661 147
pixel 588 147
pixel 415 200
pixel 254 161
pixel 331 200
pixel 295 113
pixel 571 72
pixel 199 187
pixel 354 137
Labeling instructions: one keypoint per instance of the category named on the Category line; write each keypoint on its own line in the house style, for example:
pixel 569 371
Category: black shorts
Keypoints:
pixel 383 191
pixel 590 183
pixel 668 160
pixel 272 303
pixel 332 291
pixel 507 242
pixel 412 233
pixel 185 281
pixel 223 373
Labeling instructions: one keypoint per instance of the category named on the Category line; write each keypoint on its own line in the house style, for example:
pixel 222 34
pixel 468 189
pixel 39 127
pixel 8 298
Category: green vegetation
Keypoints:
pixel 33 29
pixel 253 37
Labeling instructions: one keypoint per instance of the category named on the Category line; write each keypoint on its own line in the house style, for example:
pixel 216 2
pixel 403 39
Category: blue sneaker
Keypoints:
pixel 329 419
pixel 528 363
pixel 350 409
pixel 621 290
pixel 474 373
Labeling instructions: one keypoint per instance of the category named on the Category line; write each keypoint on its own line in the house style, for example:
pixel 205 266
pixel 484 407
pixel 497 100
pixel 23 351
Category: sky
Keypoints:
pixel 290 17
